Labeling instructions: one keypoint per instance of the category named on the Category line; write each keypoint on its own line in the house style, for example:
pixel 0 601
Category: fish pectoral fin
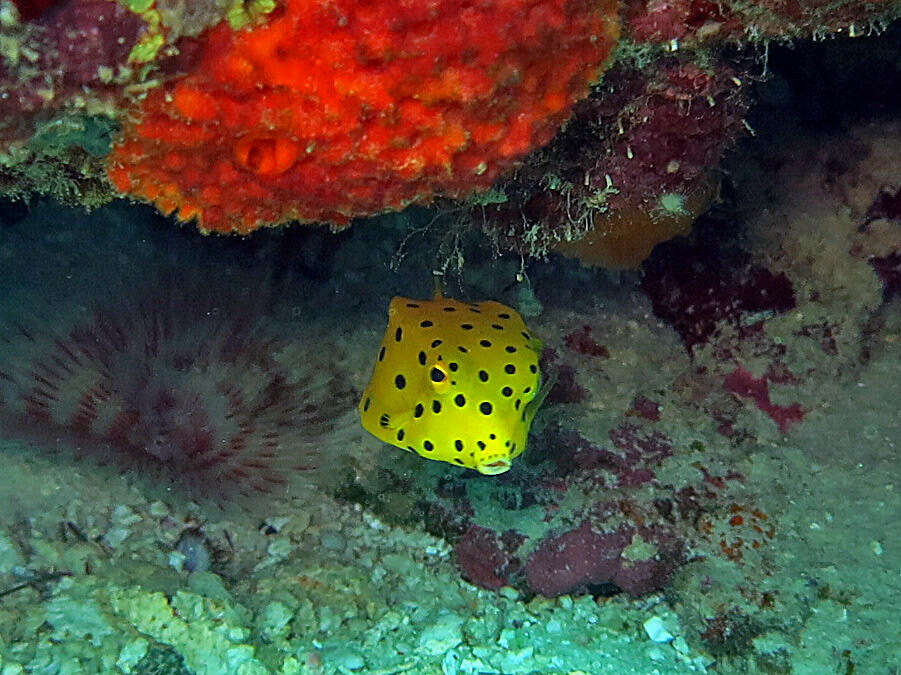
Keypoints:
pixel 533 405
pixel 535 345
pixel 394 420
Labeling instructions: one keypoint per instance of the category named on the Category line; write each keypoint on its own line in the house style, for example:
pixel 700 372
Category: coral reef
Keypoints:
pixel 741 383
pixel 483 558
pixel 710 486
pixel 651 463
pixel 624 237
pixel 202 88
pixel 328 112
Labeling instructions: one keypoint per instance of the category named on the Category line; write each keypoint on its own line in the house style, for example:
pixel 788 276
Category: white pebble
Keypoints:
pixel 656 630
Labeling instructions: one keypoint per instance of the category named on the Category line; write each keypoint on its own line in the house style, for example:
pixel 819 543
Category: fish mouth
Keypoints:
pixel 494 467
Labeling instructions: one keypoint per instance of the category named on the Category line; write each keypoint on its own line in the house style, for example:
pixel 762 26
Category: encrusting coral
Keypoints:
pixel 332 110
pixel 632 169
pixel 681 23
pixel 73 56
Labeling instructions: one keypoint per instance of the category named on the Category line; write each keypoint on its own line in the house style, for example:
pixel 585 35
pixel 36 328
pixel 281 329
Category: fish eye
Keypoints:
pixel 438 377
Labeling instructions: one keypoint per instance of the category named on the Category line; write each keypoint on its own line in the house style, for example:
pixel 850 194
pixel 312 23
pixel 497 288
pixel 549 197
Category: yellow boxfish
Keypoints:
pixel 455 381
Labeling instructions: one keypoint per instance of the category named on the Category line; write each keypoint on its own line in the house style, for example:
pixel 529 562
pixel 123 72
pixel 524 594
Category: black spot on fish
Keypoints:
pixel 384 420
pixel 509 369
pixel 510 349
pixel 463 349
pixel 450 309
pixel 533 368
pixel 507 391
pixel 458 461
pixel 435 343
pixel 398 334
pixel 412 305
pixel 436 407
pixel 426 324
pixel 453 366
pixel 497 326
pixel 485 408
pixel 366 404
pixel 483 376
pixel 400 434
pixel 481 445
pixel 517 404
pixel 400 381
pixel 421 358
pixel 427 445
pixel 492 436
pixel 418 410
pixel 526 335
pixel 382 353
pixel 437 375
pixel 460 400
pixel 458 444
pixel 503 315
pixel 475 310
pixel 485 343
pixel 527 390
pixel 466 326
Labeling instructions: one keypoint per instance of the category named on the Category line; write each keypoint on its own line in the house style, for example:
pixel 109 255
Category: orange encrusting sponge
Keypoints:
pixel 343 108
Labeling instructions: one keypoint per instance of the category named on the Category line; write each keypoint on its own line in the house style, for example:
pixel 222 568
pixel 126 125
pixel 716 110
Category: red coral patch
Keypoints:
pixel 337 109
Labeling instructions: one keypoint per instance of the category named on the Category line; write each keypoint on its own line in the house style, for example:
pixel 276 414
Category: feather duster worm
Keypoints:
pixel 177 384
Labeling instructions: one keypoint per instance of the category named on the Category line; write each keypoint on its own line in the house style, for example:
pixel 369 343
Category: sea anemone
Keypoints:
pixel 670 204
pixel 183 380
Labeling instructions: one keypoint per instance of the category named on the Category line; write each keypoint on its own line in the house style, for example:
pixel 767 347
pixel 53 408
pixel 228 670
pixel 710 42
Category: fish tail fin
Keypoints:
pixel 438 278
